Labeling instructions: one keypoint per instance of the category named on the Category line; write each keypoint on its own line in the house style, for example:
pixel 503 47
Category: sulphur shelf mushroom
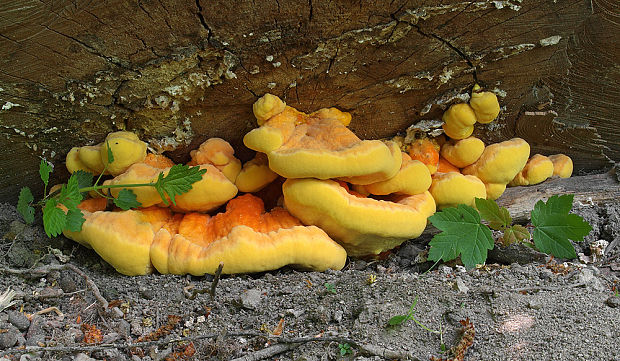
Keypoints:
pixel 318 145
pixel 363 226
pixel 245 238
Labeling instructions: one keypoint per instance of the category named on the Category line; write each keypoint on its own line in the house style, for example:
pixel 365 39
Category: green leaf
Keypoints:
pixel 555 226
pixel 23 205
pixel 84 179
pixel 498 217
pixel 178 181
pixel 126 199
pixel 70 195
pixel 75 219
pixel 109 152
pixel 44 171
pixel 462 233
pixel 54 218
pixel 397 320
pixel 516 233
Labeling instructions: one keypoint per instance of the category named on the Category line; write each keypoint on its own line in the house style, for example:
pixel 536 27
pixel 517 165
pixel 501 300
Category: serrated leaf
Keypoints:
pixel 555 226
pixel 45 168
pixel 54 218
pixel 463 232
pixel 109 152
pixel 23 205
pixel 75 219
pixel 498 217
pixel 516 233
pixel 126 199
pixel 70 195
pixel 84 179
pixel 179 180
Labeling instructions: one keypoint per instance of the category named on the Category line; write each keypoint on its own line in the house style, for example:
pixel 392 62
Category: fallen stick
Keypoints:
pixel 43 270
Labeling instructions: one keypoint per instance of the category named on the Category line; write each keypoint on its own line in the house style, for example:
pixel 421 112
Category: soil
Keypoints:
pixel 539 310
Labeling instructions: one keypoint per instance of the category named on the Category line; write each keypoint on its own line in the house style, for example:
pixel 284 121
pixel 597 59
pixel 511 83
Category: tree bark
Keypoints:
pixel 180 71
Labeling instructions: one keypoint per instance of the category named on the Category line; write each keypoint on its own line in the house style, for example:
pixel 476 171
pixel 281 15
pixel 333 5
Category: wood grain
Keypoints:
pixel 179 71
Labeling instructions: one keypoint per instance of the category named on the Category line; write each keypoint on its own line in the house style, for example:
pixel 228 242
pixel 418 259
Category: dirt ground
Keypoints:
pixel 539 310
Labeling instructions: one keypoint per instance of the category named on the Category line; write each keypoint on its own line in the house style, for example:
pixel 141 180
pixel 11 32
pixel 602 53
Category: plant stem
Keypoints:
pixel 96 188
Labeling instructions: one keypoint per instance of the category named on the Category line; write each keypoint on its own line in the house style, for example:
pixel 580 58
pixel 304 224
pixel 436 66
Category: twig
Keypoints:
pixel 216 279
pixel 283 344
pixel 211 290
pixel 545 288
pixel 43 270
pixel 268 352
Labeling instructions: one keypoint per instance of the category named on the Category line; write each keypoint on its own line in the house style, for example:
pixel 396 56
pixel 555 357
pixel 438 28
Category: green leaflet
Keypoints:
pixel 126 200
pixel 178 181
pixel 462 234
pixel 555 226
pixel 497 217
pixel 23 205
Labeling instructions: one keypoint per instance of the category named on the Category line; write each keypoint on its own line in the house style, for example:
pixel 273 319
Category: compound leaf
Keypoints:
pixel 70 195
pixel 84 179
pixel 45 168
pixel 516 233
pixel 498 217
pixel 555 226
pixel 75 219
pixel 462 233
pixel 23 205
pixel 54 218
pixel 178 181
pixel 126 199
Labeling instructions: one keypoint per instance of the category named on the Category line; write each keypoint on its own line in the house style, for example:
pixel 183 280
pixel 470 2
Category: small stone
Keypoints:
pixel 613 301
pixel 588 277
pixel 460 286
pixel 147 294
pixel 111 337
pixel 19 320
pixel 67 283
pixel 251 298
pixel 535 304
pixel 35 340
pixel 8 338
pixel 74 334
pixel 83 357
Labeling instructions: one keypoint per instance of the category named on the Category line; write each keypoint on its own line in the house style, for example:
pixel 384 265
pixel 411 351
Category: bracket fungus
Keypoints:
pixel 484 104
pixel 451 189
pixel 363 226
pixel 464 152
pixel 537 169
pixel 499 164
pixel 318 145
pixel 245 239
pixel 562 165
pixel 255 174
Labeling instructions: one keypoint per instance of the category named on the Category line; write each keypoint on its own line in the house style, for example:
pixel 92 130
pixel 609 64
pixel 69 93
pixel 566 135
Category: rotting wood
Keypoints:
pixel 178 72
pixel 587 190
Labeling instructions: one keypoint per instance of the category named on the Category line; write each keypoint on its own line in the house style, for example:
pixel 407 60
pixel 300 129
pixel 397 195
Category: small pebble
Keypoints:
pixel 147 293
pixel 460 286
pixel 19 320
pixel 613 301
pixel 8 338
pixel 251 298
pixel 83 357
pixel 535 305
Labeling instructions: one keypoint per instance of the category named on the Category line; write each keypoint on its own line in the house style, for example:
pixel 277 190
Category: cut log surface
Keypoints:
pixel 180 71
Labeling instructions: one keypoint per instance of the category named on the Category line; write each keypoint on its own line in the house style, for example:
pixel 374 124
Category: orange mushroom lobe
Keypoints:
pixel 247 210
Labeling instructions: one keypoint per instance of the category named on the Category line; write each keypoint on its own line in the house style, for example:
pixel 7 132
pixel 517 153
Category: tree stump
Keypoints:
pixel 178 71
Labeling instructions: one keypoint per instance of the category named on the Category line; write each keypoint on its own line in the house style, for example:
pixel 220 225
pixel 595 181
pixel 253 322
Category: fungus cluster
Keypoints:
pixel 336 194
